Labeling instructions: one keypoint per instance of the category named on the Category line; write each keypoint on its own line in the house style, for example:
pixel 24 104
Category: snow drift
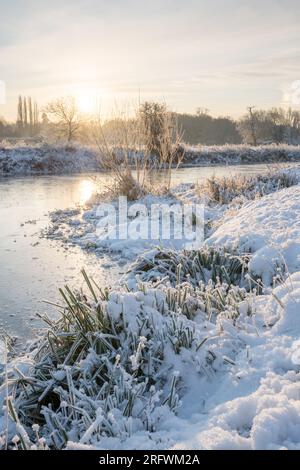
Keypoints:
pixel 270 229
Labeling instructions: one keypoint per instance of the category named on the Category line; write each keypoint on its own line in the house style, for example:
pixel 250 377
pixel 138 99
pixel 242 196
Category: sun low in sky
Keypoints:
pixel 88 100
pixel 223 55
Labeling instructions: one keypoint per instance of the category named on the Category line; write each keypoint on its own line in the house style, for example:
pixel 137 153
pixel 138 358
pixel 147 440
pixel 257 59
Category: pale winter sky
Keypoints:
pixel 220 54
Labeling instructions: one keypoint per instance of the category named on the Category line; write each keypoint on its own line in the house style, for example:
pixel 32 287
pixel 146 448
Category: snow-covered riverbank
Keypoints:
pixel 79 227
pixel 192 359
pixel 46 159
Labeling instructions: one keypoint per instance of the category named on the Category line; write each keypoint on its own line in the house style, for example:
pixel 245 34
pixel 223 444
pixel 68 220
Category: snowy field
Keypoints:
pixel 195 350
pixel 23 158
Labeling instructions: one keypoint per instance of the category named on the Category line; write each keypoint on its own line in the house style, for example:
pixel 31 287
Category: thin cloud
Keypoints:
pixel 222 52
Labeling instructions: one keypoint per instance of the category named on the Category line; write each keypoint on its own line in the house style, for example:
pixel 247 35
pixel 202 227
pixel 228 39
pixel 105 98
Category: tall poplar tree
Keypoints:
pixel 30 111
pixel 20 118
pixel 25 114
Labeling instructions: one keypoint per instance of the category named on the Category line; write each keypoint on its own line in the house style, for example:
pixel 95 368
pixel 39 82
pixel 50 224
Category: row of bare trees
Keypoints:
pixel 62 119
pixel 28 116
pixel 276 125
pixel 202 128
pixel 152 127
pixel 256 127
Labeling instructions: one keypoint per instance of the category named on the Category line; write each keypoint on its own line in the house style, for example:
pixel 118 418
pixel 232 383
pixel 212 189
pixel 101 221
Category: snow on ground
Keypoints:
pixel 37 159
pixel 269 228
pixel 257 405
pixel 81 227
pixel 241 390
pixel 254 403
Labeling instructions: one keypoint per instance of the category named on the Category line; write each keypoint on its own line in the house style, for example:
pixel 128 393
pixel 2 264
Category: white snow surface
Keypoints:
pixel 269 228
pixel 256 406
pixel 82 228
pixel 231 153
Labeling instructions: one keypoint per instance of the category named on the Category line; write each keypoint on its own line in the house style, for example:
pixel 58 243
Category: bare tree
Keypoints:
pixel 160 131
pixel 147 143
pixel 200 111
pixel 25 113
pixel 35 114
pixel 20 118
pixel 30 112
pixel 252 124
pixel 66 113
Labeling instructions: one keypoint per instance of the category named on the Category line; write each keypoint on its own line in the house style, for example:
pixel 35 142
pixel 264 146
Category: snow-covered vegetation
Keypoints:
pixel 269 228
pixel 25 157
pixel 239 154
pixel 63 118
pixel 218 195
pixel 227 189
pixel 192 350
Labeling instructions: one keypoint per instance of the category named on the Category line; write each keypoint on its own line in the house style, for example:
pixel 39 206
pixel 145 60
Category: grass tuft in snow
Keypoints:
pixel 98 371
pixel 193 266
pixel 211 299
pixel 226 189
pixel 108 367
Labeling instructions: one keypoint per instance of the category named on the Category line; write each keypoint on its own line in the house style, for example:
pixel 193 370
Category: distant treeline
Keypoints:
pixel 61 119
pixel 276 125
pixel 201 128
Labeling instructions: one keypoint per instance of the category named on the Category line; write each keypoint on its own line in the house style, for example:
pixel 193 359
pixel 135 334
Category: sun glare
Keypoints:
pixel 88 101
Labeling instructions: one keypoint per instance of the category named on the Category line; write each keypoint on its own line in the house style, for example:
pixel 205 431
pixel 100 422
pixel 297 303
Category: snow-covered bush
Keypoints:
pixel 114 363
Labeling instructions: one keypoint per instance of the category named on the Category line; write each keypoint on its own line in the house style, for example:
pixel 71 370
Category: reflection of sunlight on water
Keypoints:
pixel 86 190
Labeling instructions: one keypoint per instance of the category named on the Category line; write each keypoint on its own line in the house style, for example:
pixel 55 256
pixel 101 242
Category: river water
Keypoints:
pixel 32 268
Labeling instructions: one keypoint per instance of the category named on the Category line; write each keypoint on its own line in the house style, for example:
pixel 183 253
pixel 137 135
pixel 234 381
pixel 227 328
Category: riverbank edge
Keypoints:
pixel 61 159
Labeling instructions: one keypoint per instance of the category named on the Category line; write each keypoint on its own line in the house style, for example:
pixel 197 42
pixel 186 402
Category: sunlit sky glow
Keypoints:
pixel 219 54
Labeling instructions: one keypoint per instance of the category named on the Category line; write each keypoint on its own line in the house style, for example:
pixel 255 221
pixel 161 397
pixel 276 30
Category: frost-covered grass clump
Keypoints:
pixel 115 363
pixel 192 266
pixel 214 280
pixel 225 190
